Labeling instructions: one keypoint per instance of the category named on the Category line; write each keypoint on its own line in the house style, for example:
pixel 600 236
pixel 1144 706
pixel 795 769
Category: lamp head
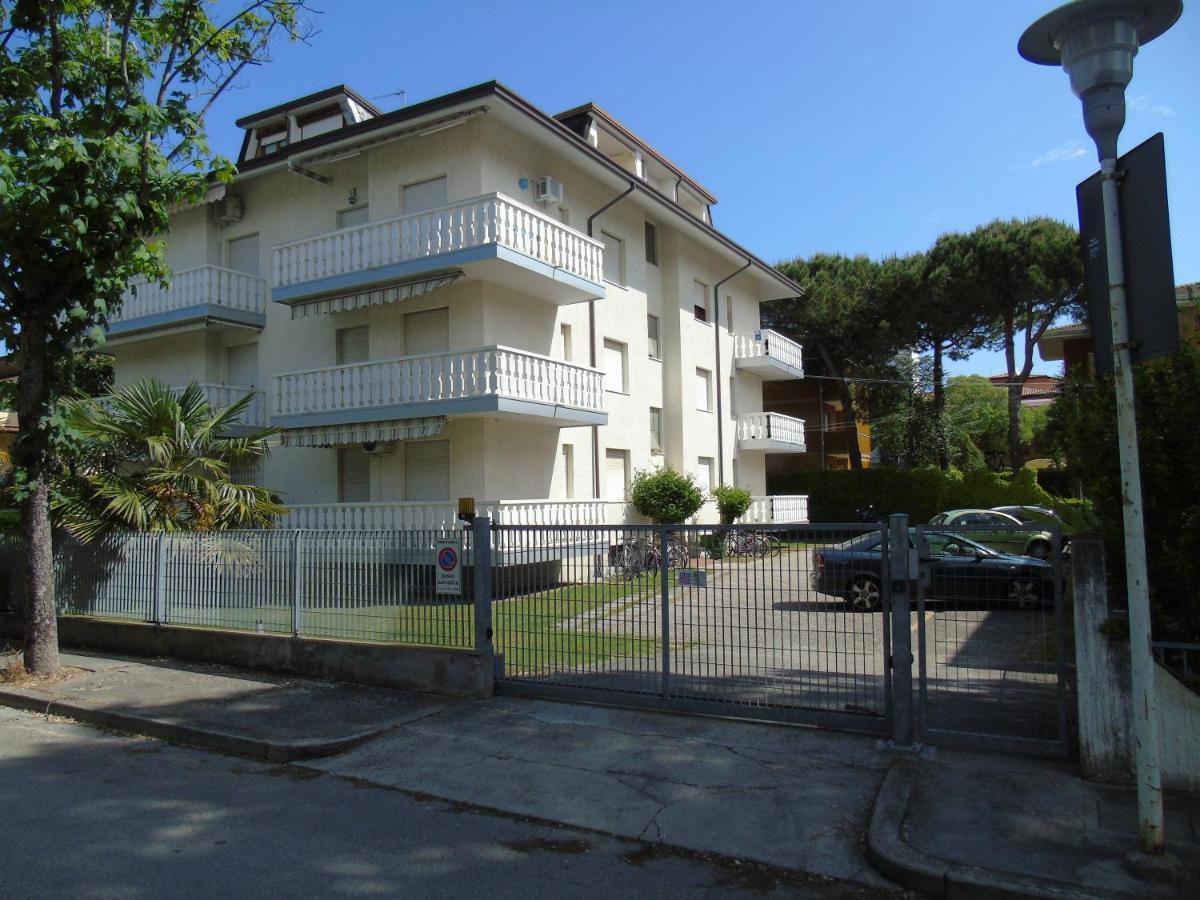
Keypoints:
pixel 1095 41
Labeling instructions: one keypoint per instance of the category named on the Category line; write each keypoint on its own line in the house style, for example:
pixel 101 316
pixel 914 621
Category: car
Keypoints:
pixel 1030 515
pixel 997 530
pixel 959 568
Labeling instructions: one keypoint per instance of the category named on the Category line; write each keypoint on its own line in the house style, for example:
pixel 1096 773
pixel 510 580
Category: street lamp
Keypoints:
pixel 1095 41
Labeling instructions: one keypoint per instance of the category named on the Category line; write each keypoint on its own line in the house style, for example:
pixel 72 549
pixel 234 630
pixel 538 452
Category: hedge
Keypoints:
pixel 836 496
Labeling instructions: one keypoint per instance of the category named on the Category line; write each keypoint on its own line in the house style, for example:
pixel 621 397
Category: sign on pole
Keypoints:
pixel 449 566
pixel 1146 241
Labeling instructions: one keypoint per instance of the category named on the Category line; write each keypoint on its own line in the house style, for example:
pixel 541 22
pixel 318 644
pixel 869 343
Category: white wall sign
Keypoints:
pixel 449 567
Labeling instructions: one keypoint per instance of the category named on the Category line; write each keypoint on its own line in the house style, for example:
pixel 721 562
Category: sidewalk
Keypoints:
pixel 949 824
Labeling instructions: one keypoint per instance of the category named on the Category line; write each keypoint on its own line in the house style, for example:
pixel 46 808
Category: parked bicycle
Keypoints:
pixel 641 553
pixel 751 543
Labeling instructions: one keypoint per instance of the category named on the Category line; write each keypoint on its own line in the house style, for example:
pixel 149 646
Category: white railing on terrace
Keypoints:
pixel 770 426
pixel 454 375
pixel 211 285
pixel 783 508
pixel 444 515
pixel 490 219
pixel 220 396
pixel 771 344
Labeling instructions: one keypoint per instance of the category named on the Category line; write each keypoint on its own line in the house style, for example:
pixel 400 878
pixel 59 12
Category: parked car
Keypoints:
pixel 960 569
pixel 997 530
pixel 1030 515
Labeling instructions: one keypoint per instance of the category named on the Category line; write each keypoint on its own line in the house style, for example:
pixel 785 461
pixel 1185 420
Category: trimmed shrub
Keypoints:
pixel 732 502
pixel 665 496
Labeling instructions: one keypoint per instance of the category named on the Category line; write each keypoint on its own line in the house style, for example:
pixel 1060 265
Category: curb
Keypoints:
pixel 263 750
pixel 911 868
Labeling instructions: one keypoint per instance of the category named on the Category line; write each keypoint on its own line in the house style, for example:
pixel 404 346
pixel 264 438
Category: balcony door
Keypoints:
pixel 427 470
pixel 243 254
pixel 241 366
pixel 424 195
pixel 427 332
pixel 616 475
pixel 354 476
pixel 353 345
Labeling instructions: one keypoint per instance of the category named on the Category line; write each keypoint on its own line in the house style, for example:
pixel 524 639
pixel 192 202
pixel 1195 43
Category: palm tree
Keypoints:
pixel 152 459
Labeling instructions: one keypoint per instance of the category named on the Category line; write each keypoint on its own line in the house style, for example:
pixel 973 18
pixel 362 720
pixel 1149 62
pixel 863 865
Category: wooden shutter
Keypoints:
pixel 427 332
pixel 427 470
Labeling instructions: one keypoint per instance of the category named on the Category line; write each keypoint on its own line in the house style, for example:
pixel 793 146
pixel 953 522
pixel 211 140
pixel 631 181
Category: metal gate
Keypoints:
pixel 764 621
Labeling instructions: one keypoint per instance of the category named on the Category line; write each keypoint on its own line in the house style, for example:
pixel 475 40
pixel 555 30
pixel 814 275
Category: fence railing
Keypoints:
pixel 782 509
pixel 769 344
pixel 770 427
pixel 489 219
pixel 455 375
pixel 211 285
pixel 220 396
pixel 444 515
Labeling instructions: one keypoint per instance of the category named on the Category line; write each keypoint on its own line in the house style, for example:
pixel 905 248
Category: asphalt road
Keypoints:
pixel 89 814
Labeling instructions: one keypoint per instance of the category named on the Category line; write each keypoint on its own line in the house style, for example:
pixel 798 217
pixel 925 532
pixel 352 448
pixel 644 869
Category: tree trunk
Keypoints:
pixel 939 409
pixel 1016 453
pixel 850 426
pixel 31 455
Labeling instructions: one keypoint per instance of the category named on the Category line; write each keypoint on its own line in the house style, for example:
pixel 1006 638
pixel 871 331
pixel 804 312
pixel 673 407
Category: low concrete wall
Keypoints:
pixel 438 669
pixel 1105 693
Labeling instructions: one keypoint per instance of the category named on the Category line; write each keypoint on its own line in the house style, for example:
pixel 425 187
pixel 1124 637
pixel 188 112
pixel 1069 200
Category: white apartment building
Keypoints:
pixel 468 297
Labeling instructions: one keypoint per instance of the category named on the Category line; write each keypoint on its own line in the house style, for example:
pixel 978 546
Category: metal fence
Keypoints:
pixel 353 585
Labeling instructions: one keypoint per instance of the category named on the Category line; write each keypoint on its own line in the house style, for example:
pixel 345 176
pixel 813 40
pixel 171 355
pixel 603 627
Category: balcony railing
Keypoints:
pixel 482 372
pixel 490 219
pixel 780 509
pixel 444 515
pixel 220 396
pixel 204 286
pixel 769 353
pixel 770 431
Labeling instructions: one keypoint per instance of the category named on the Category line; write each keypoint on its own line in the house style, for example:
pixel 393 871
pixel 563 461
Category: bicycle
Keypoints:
pixel 751 543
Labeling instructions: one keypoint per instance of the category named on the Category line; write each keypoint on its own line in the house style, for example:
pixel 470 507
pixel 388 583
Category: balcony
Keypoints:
pixel 491 237
pixel 220 396
pixel 480 381
pixel 771 432
pixel 779 509
pixel 206 295
pixel 769 355
pixel 443 516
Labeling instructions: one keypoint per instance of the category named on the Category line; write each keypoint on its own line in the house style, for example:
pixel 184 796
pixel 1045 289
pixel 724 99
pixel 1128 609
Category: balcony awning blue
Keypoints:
pixel 363 432
pixel 392 293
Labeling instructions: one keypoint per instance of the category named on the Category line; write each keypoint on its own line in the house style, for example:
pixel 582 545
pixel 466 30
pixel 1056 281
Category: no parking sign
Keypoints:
pixel 449 567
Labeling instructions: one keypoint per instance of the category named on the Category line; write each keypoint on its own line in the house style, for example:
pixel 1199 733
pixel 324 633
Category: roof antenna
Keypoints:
pixel 402 94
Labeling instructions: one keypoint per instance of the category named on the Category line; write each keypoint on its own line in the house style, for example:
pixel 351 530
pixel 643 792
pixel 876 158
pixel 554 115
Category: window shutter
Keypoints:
pixel 354 476
pixel 243 255
pixel 702 389
pixel 614 366
pixel 427 470
pixel 425 195
pixel 353 345
pixel 427 332
pixel 616 475
pixel 241 366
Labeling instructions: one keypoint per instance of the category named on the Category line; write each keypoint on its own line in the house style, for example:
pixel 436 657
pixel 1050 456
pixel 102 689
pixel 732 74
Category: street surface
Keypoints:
pixel 89 814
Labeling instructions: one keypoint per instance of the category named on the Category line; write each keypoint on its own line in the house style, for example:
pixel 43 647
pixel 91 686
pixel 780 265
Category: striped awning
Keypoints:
pixel 363 432
pixel 393 293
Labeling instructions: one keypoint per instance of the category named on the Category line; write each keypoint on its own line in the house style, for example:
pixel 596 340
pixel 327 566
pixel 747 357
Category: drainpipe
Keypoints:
pixel 592 339
pixel 717 349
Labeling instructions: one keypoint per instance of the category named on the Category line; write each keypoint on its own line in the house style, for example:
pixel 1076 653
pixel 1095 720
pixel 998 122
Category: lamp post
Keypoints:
pixel 1095 41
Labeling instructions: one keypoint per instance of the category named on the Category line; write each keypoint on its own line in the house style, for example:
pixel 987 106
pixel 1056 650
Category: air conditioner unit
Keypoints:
pixel 378 448
pixel 229 210
pixel 548 190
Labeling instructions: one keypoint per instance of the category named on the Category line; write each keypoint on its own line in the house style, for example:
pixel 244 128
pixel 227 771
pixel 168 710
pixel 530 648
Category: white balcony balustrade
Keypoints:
pixel 205 293
pixel 492 237
pixel 220 396
pixel 771 432
pixel 443 516
pixel 769 355
pixel 781 509
pixel 483 380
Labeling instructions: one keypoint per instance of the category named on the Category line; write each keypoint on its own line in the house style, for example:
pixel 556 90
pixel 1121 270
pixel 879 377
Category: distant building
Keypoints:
pixel 816 401
pixel 1038 390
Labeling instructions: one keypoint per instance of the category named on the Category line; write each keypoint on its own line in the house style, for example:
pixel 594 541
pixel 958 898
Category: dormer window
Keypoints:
pixel 274 144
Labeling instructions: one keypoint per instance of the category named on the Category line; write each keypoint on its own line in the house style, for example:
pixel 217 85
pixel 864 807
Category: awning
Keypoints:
pixel 393 293
pixel 363 432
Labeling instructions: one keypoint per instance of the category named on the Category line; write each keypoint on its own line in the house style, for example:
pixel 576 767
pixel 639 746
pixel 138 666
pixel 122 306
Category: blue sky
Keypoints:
pixel 855 127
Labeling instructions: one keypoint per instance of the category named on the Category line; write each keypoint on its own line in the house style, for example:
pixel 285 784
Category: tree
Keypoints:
pixel 732 502
pixel 838 318
pixel 102 107
pixel 151 460
pixel 665 496
pixel 1021 275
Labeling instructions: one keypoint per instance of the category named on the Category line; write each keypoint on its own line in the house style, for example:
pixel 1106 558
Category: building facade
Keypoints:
pixel 468 297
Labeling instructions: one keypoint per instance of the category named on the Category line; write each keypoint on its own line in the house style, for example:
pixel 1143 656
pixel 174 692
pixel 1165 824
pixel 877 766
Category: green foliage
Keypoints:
pixel 150 460
pixel 10 519
pixel 836 496
pixel 1084 432
pixel 732 502
pixel 665 496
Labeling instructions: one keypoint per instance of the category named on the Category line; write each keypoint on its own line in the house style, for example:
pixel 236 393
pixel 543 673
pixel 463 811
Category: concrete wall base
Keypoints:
pixel 437 669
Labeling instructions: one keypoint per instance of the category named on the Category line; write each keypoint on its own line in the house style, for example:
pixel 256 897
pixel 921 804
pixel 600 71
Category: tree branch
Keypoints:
pixel 172 70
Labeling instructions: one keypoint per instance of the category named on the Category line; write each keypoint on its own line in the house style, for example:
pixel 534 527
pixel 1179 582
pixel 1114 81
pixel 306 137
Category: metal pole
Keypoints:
pixel 897 573
pixel 160 579
pixel 297 584
pixel 664 576
pixel 1145 714
pixel 481 584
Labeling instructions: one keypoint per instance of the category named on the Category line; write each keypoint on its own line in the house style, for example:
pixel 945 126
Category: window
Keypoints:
pixel 354 476
pixel 427 470
pixel 704 390
pixel 704 473
pixel 616 475
pixel 651 244
pixel 355 215
pixel 564 336
pixel 424 195
pixel 273 143
pixel 353 345
pixel 242 254
pixel 700 306
pixel 564 473
pixel 652 337
pixel 614 258
pixel 427 332
pixel 616 368
pixel 656 443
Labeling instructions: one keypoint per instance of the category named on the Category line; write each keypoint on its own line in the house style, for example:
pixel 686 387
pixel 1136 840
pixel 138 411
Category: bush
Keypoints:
pixel 732 502
pixel 665 496
pixel 921 492
pixel 10 519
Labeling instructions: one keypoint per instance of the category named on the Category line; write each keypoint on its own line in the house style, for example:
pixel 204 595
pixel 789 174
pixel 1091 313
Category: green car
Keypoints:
pixel 997 530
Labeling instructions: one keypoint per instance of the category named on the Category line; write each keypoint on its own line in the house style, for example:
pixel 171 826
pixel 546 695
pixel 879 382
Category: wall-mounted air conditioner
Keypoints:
pixel 548 190
pixel 229 210
pixel 378 448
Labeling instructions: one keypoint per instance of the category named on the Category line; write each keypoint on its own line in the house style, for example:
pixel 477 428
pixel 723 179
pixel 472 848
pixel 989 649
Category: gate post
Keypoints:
pixel 899 574
pixel 160 579
pixel 481 587
pixel 664 575
pixel 297 584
